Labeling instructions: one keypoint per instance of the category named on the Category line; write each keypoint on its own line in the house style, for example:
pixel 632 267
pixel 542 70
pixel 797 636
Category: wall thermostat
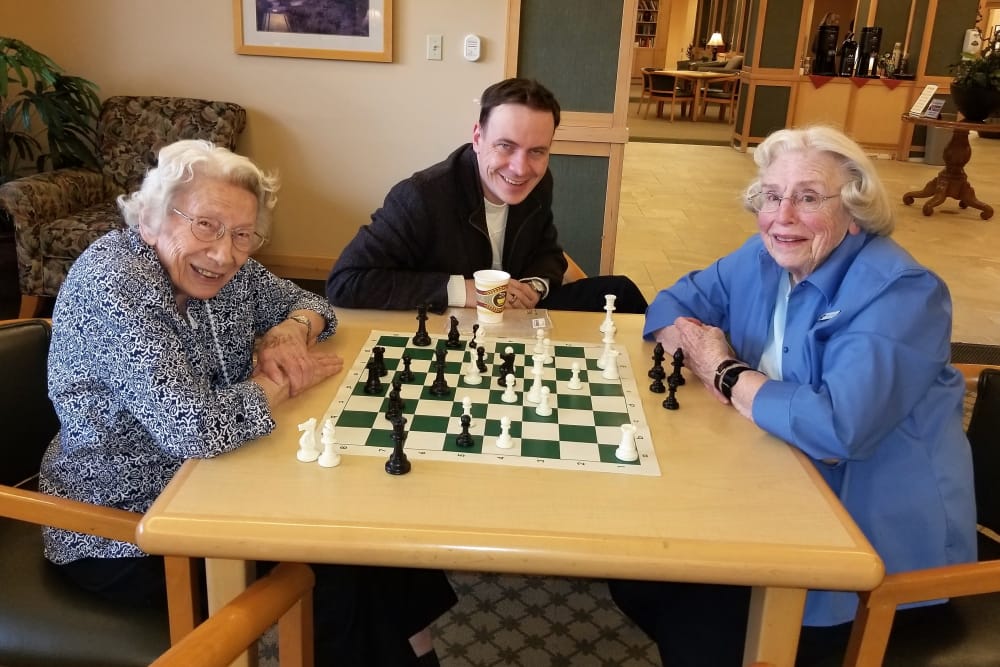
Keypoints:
pixel 471 50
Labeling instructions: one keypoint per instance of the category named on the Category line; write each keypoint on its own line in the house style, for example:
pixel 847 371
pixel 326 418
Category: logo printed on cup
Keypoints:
pixel 494 299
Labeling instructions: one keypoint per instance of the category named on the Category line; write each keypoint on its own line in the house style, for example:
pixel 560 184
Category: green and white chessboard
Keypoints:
pixel 582 433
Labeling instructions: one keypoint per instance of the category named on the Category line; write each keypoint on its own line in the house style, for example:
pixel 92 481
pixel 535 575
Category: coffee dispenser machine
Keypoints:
pixel 825 61
pixel 868 52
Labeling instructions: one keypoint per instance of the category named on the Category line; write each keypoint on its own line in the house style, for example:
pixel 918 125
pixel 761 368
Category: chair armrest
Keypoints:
pixel 38 198
pixel 937 582
pixel 46 510
pixel 285 594
pixel 971 373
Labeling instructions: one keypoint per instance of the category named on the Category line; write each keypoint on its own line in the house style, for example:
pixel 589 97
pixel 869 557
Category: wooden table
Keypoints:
pixel 952 180
pixel 732 505
pixel 700 81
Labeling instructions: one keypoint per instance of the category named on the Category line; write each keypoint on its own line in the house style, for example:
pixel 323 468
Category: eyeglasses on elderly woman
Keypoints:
pixel 807 200
pixel 208 230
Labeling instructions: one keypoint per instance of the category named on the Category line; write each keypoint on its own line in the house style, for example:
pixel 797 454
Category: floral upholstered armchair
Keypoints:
pixel 58 214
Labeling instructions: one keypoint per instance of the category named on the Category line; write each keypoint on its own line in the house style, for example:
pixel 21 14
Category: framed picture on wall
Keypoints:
pixel 330 29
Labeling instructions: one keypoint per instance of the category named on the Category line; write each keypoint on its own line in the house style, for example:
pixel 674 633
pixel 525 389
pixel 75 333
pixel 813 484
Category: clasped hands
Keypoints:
pixel 519 295
pixel 285 357
pixel 704 346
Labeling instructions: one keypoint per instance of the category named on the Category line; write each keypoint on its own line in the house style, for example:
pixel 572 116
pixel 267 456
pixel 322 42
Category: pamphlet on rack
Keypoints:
pixel 934 108
pixel 925 98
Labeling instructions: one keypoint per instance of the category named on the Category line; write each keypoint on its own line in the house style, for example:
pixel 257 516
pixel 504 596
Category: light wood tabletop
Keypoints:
pixel 731 504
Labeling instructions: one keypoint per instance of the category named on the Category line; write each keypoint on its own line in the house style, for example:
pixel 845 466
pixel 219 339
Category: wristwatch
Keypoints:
pixel 304 321
pixel 538 285
pixel 727 375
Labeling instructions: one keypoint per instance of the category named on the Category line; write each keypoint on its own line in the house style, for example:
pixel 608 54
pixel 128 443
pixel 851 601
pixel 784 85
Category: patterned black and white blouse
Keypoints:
pixel 139 388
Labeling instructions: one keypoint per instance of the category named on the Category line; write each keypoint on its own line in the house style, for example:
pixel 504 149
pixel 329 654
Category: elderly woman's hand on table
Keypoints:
pixel 285 358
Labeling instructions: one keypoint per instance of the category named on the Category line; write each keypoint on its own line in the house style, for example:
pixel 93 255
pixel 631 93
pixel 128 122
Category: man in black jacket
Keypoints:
pixel 487 205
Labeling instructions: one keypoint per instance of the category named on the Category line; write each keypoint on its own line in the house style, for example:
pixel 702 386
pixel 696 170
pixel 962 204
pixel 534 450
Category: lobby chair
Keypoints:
pixel 57 214
pixel 966 631
pixel 44 618
pixel 724 94
pixel 573 271
pixel 661 88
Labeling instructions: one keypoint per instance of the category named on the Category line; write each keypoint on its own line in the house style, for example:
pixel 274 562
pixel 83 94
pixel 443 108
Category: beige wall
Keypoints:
pixel 341 133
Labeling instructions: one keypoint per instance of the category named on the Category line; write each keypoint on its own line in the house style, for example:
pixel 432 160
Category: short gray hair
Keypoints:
pixel 179 163
pixel 863 196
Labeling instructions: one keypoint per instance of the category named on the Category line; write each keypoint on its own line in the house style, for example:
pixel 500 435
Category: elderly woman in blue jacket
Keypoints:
pixel 827 334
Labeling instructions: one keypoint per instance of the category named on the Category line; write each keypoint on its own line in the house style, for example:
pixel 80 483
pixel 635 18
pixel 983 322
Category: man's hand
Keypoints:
pixel 521 295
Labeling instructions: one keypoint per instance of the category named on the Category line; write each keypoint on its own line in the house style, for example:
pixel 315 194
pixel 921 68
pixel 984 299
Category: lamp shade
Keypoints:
pixel 716 39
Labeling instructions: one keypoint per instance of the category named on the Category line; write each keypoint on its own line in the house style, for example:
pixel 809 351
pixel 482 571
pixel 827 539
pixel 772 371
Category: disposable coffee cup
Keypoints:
pixel 491 294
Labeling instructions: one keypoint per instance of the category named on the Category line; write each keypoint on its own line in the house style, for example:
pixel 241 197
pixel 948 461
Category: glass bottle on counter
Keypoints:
pixel 848 55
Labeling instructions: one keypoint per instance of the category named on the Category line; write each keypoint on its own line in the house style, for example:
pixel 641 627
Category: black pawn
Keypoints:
pixel 395 407
pixel 464 439
pixel 374 384
pixel 454 337
pixel 407 374
pixel 657 386
pixel 398 464
pixel 670 402
pixel 472 341
pixel 421 338
pixel 506 368
pixel 440 385
pixel 481 359
pixel 657 372
pixel 378 354
pixel 677 363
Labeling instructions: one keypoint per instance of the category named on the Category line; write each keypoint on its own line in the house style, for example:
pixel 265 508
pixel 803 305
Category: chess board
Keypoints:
pixel 582 433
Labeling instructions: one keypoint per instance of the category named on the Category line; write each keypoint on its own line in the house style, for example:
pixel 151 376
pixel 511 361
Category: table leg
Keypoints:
pixel 952 181
pixel 696 111
pixel 774 626
pixel 224 580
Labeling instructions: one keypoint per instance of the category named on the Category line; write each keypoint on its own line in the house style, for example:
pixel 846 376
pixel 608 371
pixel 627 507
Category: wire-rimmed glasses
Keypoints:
pixel 208 230
pixel 769 202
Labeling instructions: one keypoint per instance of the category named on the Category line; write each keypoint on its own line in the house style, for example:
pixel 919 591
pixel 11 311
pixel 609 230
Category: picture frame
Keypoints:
pixel 327 29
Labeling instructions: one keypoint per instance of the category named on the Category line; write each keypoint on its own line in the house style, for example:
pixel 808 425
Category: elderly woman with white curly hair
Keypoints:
pixel 827 334
pixel 152 363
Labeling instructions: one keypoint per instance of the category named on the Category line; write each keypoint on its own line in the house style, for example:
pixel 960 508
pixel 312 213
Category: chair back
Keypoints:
pixel 28 418
pixel 984 436
pixel 662 84
pixel 132 130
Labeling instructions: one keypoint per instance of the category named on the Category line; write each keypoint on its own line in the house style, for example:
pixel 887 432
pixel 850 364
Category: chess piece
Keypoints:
pixel 626 448
pixel 609 341
pixel 504 441
pixel 472 375
pixel 657 386
pixel 670 402
pixel 472 341
pixel 394 408
pixel 548 359
pixel 658 356
pixel 307 441
pixel 464 439
pixel 544 409
pixel 481 359
pixel 454 341
pixel 374 384
pixel 398 464
pixel 574 379
pixel 678 363
pixel 421 338
pixel 440 385
pixel 407 374
pixel 610 371
pixel 330 458
pixel 608 324
pixel 507 367
pixel 539 345
pixel 535 394
pixel 378 356
pixel 509 395
pixel 467 408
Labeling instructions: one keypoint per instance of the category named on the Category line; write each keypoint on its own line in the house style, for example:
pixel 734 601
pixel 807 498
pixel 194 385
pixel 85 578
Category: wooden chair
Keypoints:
pixel 662 88
pixel 573 271
pixel 725 94
pixel 966 632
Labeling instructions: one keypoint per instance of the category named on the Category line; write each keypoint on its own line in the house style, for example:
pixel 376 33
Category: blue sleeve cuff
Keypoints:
pixel 771 408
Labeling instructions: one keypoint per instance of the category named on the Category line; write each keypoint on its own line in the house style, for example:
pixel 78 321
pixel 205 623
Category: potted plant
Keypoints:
pixel 976 85
pixel 47 118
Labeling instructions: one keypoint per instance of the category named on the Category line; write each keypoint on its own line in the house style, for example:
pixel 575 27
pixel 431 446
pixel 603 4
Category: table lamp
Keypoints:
pixel 715 41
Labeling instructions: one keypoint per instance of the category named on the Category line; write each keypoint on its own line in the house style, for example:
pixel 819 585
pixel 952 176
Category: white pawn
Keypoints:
pixel 307 441
pixel 467 408
pixel 544 409
pixel 626 448
pixel 509 395
pixel 472 375
pixel 504 441
pixel 574 380
pixel 330 458
pixel 539 344
pixel 609 307
pixel 609 341
pixel 535 394
pixel 610 371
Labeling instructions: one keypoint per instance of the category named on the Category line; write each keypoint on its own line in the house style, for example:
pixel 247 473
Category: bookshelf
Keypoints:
pixel 649 49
